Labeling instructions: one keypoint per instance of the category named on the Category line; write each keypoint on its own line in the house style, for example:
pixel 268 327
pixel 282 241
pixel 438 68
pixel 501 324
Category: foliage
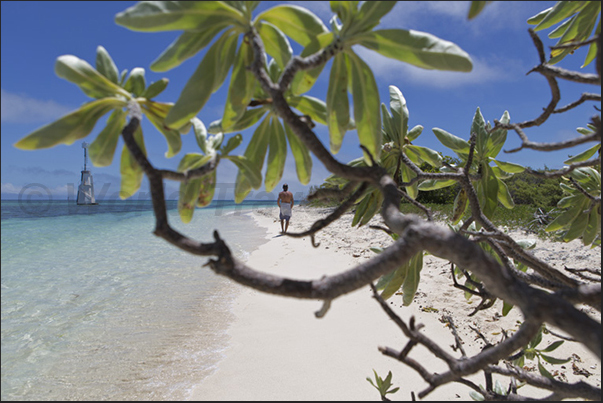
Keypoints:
pixel 575 22
pixel 383 385
pixel 273 94
pixel 537 191
pixel 583 216
pixel 531 353
pixel 444 195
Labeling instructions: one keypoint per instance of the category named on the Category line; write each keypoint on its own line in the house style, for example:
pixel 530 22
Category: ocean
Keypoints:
pixel 95 307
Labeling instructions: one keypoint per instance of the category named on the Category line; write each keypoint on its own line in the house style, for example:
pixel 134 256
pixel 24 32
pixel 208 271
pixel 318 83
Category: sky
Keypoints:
pixel 34 34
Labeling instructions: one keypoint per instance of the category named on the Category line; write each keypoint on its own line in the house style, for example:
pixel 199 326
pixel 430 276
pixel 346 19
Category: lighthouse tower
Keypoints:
pixel 85 192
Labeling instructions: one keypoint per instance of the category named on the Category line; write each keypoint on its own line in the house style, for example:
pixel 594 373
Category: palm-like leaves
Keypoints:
pixel 111 94
pixel 490 187
pixel 224 23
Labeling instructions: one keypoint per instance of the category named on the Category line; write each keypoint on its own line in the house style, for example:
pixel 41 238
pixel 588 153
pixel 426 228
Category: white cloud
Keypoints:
pixel 9 188
pixel 483 71
pixel 19 108
pixel 456 12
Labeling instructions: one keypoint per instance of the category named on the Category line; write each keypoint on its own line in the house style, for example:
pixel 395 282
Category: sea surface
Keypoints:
pixel 95 307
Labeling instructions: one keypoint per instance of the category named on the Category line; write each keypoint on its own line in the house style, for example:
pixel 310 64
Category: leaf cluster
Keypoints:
pixel 383 385
pixel 575 22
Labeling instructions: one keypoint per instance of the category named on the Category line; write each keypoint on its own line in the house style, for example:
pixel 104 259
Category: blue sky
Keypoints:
pixel 34 34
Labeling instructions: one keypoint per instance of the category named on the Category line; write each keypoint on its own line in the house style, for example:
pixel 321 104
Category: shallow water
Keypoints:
pixel 95 307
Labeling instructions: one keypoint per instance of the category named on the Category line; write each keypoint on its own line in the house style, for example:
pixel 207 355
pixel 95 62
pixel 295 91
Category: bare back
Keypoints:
pixel 285 197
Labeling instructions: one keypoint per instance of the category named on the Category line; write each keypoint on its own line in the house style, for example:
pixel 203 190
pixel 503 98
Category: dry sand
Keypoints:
pixel 280 351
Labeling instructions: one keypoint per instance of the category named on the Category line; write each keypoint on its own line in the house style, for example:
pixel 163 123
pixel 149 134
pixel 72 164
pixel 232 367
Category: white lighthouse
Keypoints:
pixel 85 192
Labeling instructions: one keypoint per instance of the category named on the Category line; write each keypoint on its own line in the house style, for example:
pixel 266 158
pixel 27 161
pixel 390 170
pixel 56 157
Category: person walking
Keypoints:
pixel 285 203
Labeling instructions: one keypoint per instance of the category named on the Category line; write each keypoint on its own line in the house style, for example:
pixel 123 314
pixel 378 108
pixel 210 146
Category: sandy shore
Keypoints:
pixel 280 351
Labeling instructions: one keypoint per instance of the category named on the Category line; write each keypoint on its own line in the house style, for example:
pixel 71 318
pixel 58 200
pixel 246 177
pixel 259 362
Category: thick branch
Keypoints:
pixel 563 390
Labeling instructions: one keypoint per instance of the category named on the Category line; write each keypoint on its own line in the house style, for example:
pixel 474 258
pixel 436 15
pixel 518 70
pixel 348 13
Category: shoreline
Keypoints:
pixel 278 350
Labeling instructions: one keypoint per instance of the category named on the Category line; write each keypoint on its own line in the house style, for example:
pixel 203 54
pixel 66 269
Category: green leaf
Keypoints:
pixel 338 107
pixel 255 153
pixel 90 81
pixel 186 46
pixel 592 49
pixel 71 127
pixel 593 228
pixel 460 205
pixel 583 156
pixel 433 184
pixel 232 143
pixel 123 77
pixel 367 112
pixel 192 161
pixel 478 127
pixel 488 195
pixel 393 281
pixel 553 346
pixel 555 14
pixel 476 8
pixel 536 19
pixel 136 82
pixel 276 155
pixel 497 138
pixel 568 216
pixel 303 160
pixel 374 204
pixel 506 308
pixel 577 227
pixel 208 77
pixel 345 10
pixel 578 30
pixel 413 276
pixel 106 66
pixel 417 48
pixel 313 107
pixel 388 130
pixel 369 15
pixel 249 118
pixel 544 372
pixel 154 16
pixel 500 174
pixel 509 167
pixel 428 155
pixel 276 43
pixel 562 28
pixel 155 88
pixel 361 209
pixel 414 133
pixel 298 23
pixel 131 172
pixel 535 340
pixel 456 144
pixel 208 187
pixel 504 196
pixel 201 136
pixel 399 110
pixel 553 360
pixel 526 243
pixel 407 175
pixel 242 84
pixel 172 136
pixel 102 149
pixel 249 169
pixel 187 196
pixel 304 80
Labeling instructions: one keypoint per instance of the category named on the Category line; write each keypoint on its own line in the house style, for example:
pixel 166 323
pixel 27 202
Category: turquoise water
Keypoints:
pixel 95 307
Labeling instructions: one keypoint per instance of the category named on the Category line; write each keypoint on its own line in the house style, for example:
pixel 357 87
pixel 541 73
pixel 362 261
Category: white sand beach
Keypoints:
pixel 278 349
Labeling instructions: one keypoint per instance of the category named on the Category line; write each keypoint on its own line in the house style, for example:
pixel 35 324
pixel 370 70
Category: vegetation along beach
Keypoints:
pixel 438 233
